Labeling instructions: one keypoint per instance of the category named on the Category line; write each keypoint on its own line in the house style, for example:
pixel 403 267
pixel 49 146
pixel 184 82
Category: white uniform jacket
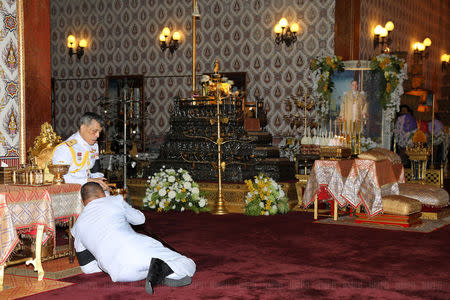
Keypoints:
pixel 103 228
pixel 81 157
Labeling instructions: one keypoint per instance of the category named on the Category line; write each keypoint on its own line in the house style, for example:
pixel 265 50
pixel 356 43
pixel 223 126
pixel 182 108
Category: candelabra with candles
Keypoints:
pixel 296 120
pixel 225 113
pixel 349 133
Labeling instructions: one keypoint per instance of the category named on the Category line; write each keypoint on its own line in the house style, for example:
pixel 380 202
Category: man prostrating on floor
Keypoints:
pixel 105 241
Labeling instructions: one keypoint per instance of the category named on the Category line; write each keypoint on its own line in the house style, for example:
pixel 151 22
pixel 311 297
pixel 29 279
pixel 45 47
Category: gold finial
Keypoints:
pixel 216 66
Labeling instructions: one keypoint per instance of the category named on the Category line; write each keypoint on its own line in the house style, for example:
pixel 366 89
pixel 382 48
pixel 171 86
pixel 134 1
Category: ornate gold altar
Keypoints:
pixel 419 158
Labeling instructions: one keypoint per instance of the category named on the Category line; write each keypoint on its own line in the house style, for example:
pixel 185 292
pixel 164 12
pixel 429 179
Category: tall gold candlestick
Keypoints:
pixel 219 208
pixel 194 44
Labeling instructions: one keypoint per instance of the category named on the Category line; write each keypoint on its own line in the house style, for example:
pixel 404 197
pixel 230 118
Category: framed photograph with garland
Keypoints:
pixel 367 88
pixel 381 80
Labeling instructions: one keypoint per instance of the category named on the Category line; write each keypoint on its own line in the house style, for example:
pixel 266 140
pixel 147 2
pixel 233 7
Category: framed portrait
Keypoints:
pixel 367 82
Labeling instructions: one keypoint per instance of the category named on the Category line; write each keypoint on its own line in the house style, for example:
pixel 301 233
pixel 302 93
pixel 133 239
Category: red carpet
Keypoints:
pixel 286 257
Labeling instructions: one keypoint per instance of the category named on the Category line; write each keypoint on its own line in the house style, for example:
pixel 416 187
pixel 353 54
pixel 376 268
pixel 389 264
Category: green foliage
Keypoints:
pixel 265 197
pixel 390 66
pixel 326 67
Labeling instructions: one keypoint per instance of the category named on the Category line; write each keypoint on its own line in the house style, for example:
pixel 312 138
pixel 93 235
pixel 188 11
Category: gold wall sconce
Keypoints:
pixel 381 36
pixel 445 60
pixel 167 42
pixel 284 33
pixel 420 49
pixel 74 48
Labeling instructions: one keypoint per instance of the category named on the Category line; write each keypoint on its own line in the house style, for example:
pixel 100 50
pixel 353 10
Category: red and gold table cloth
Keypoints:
pixel 354 182
pixel 23 208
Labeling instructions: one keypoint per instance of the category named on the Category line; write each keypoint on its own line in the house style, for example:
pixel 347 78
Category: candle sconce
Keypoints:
pixel 421 50
pixel 381 36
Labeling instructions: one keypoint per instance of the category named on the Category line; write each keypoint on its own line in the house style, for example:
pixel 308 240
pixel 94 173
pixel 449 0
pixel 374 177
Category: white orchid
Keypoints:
pixel 170 189
pixel 187 177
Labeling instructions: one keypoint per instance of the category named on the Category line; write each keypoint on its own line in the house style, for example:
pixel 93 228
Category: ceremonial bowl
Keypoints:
pixel 58 171
pixel 122 192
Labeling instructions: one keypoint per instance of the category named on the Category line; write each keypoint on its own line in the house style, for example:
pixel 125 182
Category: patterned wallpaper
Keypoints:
pixel 413 20
pixel 123 39
pixel 9 90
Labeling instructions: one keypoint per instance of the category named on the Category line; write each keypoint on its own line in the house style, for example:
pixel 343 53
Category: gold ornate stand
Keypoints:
pixel 220 208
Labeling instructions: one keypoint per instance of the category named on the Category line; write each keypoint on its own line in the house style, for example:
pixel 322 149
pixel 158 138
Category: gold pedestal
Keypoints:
pixel 219 208
pixel 58 171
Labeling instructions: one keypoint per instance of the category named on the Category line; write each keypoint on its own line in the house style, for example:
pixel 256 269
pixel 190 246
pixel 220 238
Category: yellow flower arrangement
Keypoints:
pixel 326 66
pixel 391 67
pixel 265 197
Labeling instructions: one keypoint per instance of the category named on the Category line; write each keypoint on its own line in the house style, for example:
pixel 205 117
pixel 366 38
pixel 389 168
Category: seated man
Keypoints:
pixel 105 241
pixel 80 151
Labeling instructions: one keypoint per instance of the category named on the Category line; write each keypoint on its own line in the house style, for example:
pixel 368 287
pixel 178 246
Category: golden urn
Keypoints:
pixel 58 171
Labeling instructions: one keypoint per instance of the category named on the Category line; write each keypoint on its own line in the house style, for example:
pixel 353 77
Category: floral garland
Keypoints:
pixel 394 71
pixel 170 189
pixel 265 197
pixel 323 68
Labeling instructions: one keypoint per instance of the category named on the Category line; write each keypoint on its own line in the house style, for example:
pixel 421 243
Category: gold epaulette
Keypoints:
pixel 71 142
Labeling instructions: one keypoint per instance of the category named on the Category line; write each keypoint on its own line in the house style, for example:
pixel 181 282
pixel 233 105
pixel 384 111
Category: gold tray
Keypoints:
pixel 335 152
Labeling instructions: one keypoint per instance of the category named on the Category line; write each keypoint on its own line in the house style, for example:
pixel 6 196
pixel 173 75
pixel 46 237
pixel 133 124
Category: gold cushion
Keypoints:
pixel 377 154
pixel 392 156
pixel 372 155
pixel 400 205
pixel 427 194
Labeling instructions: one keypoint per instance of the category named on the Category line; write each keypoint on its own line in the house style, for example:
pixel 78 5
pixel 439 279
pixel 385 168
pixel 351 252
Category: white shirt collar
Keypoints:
pixel 81 140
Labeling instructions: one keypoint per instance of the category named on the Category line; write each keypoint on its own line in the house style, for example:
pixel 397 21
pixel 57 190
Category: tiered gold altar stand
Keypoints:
pixel 234 193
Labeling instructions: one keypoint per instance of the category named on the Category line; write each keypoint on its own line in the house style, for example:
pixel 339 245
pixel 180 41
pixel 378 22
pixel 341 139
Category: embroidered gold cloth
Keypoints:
pixel 401 205
pixel 378 154
pixel 22 208
pixel 427 194
pixel 354 182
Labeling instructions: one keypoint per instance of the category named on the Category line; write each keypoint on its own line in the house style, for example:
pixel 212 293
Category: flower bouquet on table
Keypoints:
pixel 173 190
pixel 265 197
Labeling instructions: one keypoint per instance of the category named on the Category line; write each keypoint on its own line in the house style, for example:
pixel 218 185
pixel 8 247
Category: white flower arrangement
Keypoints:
pixel 265 197
pixel 173 190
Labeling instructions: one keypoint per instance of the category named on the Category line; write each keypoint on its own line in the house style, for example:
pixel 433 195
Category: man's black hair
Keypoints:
pixel 87 118
pixel 90 189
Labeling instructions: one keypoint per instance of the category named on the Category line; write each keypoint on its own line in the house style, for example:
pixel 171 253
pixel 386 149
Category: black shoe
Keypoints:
pixel 186 280
pixel 157 272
